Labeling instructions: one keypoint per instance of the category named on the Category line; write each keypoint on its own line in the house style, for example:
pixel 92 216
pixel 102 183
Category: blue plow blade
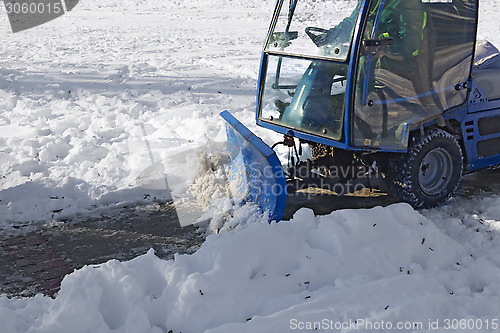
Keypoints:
pixel 256 173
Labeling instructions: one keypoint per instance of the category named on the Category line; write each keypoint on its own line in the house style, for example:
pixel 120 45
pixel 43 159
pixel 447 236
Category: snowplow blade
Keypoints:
pixel 256 174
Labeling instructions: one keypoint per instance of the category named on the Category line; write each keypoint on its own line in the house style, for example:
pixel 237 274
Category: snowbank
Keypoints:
pixel 382 264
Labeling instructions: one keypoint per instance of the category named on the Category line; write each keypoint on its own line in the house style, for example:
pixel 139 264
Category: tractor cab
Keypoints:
pixel 362 74
pixel 397 88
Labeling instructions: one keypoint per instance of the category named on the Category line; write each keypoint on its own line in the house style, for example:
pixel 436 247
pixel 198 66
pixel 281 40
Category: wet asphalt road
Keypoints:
pixel 37 261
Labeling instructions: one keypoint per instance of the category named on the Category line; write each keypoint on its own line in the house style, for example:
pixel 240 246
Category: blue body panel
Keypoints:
pixel 256 173
pixel 479 111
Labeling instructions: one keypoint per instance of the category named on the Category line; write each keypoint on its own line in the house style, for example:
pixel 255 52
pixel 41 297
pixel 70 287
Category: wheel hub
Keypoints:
pixel 435 171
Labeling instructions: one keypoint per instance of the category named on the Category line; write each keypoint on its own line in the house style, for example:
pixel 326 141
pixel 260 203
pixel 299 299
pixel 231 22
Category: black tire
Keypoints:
pixel 429 173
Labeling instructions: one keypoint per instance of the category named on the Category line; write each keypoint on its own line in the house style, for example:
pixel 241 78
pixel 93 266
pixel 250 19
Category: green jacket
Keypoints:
pixel 403 20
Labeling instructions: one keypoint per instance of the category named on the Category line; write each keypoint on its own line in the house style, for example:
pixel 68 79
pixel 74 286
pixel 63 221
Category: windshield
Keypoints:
pixel 303 84
pixel 305 95
pixel 314 28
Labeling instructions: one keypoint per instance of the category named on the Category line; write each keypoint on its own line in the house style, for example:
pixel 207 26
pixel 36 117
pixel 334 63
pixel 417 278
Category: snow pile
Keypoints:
pixel 210 181
pixel 383 264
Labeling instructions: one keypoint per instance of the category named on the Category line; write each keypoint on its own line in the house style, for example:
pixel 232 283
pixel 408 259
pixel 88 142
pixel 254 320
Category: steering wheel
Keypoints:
pixel 318 35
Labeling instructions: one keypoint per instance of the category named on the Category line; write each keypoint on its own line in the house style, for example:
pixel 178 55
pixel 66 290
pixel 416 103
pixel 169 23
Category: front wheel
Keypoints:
pixel 429 173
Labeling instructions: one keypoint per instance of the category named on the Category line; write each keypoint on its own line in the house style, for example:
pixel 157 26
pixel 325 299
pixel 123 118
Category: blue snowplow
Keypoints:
pixel 389 94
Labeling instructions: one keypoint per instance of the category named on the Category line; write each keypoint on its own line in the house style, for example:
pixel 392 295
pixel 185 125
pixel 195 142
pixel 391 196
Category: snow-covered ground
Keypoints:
pixel 92 101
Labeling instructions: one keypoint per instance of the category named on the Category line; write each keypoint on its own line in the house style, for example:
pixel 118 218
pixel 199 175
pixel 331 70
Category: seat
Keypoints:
pixel 486 69
pixel 486 56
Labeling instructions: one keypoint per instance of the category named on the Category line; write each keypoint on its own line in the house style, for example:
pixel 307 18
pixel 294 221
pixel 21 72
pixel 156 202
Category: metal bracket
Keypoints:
pixel 441 121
